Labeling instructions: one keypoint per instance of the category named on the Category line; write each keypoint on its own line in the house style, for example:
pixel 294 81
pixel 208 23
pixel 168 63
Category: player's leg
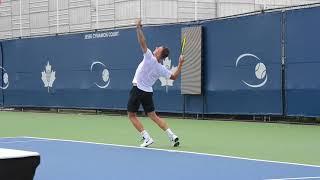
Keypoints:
pixel 133 107
pixel 135 121
pixel 159 121
pixel 148 106
pixel 174 139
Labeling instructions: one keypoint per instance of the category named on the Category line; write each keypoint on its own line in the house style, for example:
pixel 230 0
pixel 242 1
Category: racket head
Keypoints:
pixel 184 40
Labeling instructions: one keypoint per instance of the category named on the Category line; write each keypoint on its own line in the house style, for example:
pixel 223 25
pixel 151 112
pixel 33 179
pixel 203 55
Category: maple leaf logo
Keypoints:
pixel 166 81
pixel 48 76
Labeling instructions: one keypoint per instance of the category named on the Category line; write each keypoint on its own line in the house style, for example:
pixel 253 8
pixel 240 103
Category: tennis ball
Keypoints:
pixel 261 70
pixel 105 75
pixel 5 78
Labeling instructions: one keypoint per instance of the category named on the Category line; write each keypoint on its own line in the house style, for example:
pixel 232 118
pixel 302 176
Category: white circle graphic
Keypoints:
pixel 260 70
pixel 105 74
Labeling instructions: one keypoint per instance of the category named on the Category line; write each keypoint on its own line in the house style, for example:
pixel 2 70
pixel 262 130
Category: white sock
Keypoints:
pixel 169 132
pixel 145 134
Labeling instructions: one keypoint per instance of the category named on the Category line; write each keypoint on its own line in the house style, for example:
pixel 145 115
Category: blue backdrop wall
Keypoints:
pixel 303 62
pixel 91 70
pixel 242 67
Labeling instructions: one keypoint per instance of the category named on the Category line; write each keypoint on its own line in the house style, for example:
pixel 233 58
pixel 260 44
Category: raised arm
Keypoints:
pixel 141 39
pixel 175 75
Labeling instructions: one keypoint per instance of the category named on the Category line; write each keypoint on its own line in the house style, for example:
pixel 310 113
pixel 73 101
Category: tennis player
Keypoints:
pixel 147 73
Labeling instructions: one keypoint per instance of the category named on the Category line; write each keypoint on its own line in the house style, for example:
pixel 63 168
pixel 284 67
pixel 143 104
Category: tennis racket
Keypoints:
pixel 183 44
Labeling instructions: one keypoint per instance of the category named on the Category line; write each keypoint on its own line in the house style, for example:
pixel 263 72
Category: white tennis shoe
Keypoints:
pixel 147 142
pixel 174 140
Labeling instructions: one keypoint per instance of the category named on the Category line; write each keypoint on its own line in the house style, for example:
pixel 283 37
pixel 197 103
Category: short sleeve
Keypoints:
pixel 164 72
pixel 148 55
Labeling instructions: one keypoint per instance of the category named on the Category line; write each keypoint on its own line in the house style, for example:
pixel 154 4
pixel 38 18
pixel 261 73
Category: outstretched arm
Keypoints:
pixel 141 39
pixel 175 75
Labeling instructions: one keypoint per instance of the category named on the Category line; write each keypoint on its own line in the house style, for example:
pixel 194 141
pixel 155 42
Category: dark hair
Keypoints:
pixel 165 52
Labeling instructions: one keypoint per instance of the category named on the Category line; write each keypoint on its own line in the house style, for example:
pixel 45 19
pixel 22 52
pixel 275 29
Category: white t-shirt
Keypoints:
pixel 149 71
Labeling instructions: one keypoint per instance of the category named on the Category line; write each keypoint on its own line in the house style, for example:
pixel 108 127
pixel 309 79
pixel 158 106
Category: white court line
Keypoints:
pixel 22 141
pixel 168 150
pixel 35 139
pixel 19 141
pixel 301 178
pixel 11 137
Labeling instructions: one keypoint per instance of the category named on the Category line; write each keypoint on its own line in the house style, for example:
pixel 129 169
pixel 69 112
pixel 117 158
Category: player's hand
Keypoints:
pixel 138 23
pixel 181 60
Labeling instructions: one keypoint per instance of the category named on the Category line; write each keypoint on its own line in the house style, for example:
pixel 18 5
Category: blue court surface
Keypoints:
pixel 75 160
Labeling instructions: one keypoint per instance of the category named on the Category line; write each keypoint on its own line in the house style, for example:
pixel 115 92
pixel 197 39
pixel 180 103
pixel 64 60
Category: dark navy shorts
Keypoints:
pixel 137 97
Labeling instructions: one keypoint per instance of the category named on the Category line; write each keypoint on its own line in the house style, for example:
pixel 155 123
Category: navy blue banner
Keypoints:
pixel 303 62
pixel 194 104
pixel 243 65
pixel 65 71
pixel 91 70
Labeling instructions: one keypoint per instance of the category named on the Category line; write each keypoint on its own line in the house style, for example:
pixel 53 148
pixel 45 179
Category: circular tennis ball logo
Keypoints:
pixel 105 75
pixel 261 70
